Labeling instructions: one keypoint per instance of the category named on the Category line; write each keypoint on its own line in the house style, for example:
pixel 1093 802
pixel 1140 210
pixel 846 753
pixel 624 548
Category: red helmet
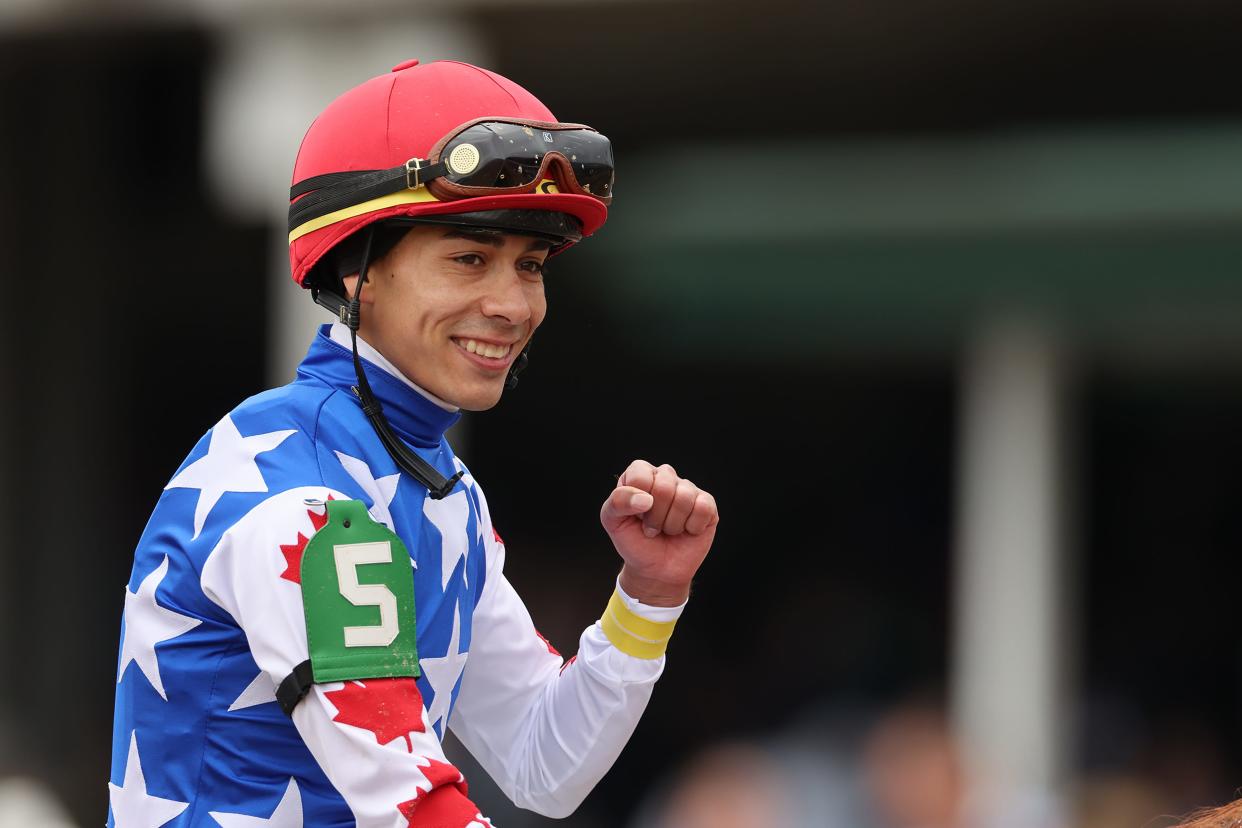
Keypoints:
pixel 404 115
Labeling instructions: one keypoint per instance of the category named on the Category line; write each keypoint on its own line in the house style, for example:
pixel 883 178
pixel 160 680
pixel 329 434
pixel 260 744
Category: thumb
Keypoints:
pixel 624 502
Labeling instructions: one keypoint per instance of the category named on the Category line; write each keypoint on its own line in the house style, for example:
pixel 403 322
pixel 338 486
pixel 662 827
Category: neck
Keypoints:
pixel 340 335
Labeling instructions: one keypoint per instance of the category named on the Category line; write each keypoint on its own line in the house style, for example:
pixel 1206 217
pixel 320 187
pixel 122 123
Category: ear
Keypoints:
pixel 351 284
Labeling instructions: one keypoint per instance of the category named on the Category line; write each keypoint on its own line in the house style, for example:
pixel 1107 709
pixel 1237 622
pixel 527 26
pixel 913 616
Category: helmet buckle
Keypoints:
pixel 347 314
pixel 413 183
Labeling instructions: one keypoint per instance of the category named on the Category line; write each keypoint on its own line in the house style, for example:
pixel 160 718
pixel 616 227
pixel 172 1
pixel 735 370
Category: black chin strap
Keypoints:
pixel 407 460
pixel 518 366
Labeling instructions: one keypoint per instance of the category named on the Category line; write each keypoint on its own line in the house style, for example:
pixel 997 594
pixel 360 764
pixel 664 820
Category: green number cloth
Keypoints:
pixel 358 595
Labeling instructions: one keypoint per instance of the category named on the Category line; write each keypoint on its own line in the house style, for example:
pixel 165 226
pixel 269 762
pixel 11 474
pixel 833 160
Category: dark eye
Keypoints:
pixel 469 259
pixel 532 266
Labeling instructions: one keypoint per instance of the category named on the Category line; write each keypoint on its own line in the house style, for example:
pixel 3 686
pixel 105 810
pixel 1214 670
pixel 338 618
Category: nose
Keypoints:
pixel 507 298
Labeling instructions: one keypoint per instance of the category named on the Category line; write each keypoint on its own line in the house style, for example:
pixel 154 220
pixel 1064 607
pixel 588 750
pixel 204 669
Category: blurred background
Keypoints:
pixel 942 300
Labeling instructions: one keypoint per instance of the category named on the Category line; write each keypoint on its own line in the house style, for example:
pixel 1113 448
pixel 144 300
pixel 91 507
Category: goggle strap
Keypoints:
pixel 336 191
pixel 318 182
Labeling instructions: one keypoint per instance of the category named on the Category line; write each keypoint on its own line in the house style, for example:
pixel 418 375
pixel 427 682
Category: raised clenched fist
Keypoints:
pixel 662 525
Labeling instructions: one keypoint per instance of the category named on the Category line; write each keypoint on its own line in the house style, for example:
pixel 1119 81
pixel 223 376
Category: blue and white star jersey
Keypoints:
pixel 214 620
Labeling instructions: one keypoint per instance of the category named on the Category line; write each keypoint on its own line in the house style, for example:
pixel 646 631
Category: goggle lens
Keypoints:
pixel 498 154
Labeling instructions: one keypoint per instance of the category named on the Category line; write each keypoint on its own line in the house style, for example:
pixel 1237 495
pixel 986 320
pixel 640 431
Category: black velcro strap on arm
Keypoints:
pixel 296 685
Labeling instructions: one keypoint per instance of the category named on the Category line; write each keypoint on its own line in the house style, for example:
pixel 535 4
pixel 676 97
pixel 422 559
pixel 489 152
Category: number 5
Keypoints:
pixel 349 556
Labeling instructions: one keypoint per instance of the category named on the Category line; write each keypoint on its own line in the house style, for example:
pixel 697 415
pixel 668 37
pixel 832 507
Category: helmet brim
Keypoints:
pixel 560 229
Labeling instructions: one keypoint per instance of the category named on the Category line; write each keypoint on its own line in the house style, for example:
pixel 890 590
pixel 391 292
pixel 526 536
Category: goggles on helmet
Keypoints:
pixel 487 156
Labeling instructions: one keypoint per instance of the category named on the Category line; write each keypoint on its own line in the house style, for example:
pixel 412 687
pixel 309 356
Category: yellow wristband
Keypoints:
pixel 631 633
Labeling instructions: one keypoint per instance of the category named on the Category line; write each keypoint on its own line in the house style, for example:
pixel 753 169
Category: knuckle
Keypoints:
pixel 636 466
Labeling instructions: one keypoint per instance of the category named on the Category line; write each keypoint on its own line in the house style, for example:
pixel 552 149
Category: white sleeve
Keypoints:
pixel 403 782
pixel 546 730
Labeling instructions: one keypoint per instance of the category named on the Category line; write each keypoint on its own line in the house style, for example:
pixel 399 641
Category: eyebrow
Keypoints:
pixel 494 239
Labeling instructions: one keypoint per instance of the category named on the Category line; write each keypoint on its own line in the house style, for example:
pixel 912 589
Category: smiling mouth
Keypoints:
pixel 483 349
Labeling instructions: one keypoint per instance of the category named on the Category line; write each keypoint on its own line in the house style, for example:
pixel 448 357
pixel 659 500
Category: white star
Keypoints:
pixel 288 813
pixel 259 691
pixel 468 481
pixel 132 806
pixel 442 674
pixel 381 491
pixel 449 515
pixel 147 624
pixel 228 466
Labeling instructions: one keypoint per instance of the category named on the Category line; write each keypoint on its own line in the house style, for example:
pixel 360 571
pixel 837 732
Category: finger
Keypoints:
pixel 639 474
pixel 703 515
pixel 621 503
pixel 662 489
pixel 683 505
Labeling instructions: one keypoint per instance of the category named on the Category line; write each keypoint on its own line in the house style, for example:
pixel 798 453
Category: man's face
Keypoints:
pixel 452 308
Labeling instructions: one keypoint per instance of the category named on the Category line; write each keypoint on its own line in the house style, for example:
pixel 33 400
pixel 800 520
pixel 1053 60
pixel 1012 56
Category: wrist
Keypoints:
pixel 637 629
pixel 650 591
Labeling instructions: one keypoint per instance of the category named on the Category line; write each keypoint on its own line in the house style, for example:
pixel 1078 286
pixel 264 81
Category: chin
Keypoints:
pixel 479 403
pixel 478 398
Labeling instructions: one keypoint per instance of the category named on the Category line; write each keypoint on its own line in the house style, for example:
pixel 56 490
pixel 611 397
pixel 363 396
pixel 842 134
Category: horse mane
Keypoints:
pixel 1226 816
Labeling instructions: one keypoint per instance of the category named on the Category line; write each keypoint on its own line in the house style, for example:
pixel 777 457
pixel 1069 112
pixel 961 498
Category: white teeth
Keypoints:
pixel 484 348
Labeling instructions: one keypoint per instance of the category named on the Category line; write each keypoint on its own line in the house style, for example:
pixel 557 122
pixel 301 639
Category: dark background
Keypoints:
pixel 137 308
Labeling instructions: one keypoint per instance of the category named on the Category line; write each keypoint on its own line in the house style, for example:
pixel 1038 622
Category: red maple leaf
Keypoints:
pixel 444 803
pixel 388 707
pixel 293 558
pixel 317 520
pixel 293 551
